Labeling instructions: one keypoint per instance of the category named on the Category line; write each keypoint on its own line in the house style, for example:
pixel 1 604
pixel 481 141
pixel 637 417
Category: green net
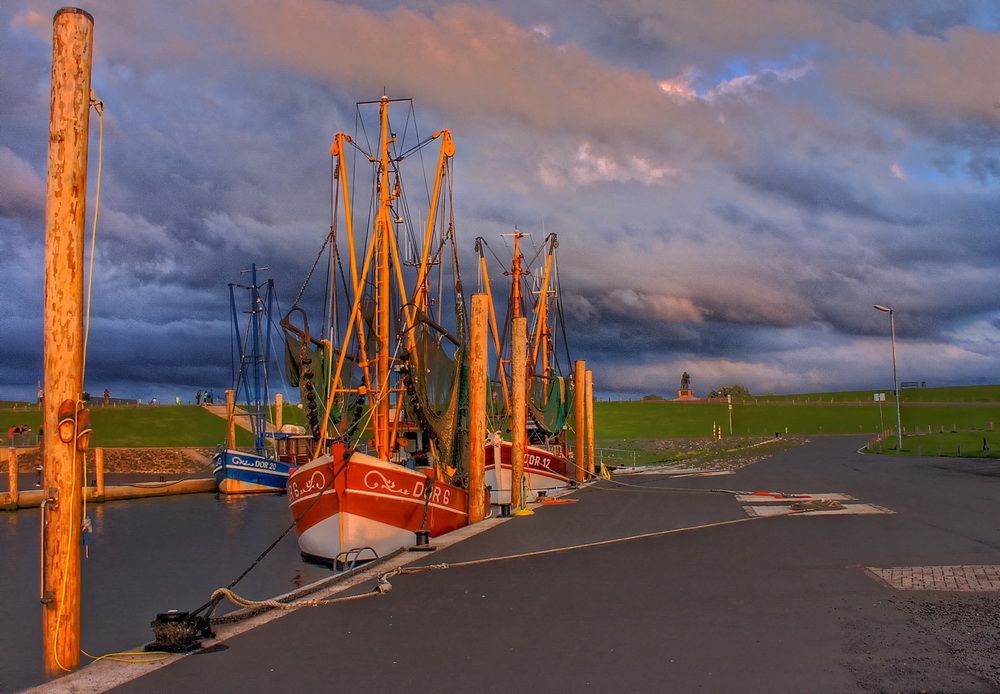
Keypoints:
pixel 437 393
pixel 550 403
pixel 496 407
pixel 309 367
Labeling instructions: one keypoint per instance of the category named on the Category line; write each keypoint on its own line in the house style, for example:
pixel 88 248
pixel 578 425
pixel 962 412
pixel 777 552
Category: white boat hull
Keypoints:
pixel 544 472
pixel 363 507
pixel 238 472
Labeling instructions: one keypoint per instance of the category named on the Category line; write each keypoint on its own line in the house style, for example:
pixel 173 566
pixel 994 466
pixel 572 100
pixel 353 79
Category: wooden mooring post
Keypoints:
pixel 589 414
pixel 12 481
pixel 98 474
pixel 518 408
pixel 65 208
pixel 231 420
pixel 478 377
pixel 579 399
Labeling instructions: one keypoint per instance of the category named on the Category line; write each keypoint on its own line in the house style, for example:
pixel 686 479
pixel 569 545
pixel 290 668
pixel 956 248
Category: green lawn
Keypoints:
pixel 652 419
pixel 667 419
pixel 149 425
pixel 188 425
pixel 959 394
pixel 620 421
pixel 965 444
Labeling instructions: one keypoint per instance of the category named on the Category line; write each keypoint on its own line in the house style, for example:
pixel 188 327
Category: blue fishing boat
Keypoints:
pixel 275 453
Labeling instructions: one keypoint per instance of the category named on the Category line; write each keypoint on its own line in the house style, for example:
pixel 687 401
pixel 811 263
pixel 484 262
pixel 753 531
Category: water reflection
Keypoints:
pixel 146 556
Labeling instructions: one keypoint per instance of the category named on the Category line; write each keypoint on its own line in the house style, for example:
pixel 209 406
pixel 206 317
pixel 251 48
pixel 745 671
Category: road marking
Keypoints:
pixel 848 510
pixel 976 578
pixel 674 472
pixel 776 498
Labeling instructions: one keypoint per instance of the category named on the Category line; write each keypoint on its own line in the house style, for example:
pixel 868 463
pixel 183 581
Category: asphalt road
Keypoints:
pixel 745 604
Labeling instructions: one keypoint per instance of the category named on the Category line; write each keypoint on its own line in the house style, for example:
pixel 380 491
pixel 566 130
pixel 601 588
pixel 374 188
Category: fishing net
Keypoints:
pixel 438 394
pixel 309 368
pixel 550 403
pixel 496 407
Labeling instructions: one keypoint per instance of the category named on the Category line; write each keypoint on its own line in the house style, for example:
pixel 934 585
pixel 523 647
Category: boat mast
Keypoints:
pixel 380 265
pixel 515 274
pixel 383 245
pixel 254 354
pixel 514 310
pixel 543 332
pixel 516 271
pixel 501 375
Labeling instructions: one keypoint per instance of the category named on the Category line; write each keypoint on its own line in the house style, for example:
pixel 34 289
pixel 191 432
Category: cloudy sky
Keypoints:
pixel 735 183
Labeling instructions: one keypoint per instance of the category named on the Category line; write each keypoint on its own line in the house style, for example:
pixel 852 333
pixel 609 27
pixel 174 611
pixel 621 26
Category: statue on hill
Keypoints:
pixel 685 381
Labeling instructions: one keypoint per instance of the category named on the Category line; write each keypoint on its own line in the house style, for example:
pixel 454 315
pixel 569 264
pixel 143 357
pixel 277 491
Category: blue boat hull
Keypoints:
pixel 246 473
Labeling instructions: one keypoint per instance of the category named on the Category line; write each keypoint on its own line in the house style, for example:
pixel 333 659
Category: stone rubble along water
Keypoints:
pixel 706 453
pixel 135 460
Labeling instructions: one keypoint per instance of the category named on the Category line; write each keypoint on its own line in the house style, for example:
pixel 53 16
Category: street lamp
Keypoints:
pixel 895 383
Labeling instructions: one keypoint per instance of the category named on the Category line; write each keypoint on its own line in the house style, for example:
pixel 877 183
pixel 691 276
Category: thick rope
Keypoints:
pixel 383 586
pixel 130 656
pixel 682 490
pixel 216 597
pixel 99 108
pixel 586 545
pixel 277 605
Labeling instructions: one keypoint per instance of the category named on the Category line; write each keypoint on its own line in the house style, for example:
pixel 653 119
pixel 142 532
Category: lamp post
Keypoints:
pixel 895 383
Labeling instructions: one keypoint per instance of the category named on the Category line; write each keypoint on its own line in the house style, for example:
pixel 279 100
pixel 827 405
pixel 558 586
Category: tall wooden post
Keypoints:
pixel 579 398
pixel 99 474
pixel 478 380
pixel 278 404
pixel 13 496
pixel 518 407
pixel 65 209
pixel 589 400
pixel 230 419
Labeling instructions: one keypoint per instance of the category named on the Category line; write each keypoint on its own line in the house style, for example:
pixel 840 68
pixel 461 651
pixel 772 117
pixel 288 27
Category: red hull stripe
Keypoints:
pixel 536 461
pixel 381 492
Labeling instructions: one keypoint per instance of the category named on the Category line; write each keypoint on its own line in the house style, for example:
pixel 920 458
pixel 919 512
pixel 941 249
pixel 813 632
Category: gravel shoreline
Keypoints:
pixel 151 461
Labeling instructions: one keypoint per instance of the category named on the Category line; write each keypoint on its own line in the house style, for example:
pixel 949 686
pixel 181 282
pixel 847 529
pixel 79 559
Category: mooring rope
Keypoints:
pixel 216 598
pixel 625 486
pixel 383 586
pixel 130 656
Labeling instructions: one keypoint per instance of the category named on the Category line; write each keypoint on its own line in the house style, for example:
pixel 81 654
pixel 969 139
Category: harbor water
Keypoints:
pixel 143 557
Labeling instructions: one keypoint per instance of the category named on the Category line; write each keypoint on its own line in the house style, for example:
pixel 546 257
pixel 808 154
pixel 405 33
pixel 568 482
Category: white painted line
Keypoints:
pixel 674 472
pixel 848 510
pixel 653 471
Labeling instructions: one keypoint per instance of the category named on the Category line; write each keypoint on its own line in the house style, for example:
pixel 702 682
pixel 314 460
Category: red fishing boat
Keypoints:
pixel 385 388
pixel 547 464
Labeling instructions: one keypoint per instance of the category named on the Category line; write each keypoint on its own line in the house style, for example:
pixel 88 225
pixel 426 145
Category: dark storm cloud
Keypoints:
pixel 810 190
pixel 734 185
